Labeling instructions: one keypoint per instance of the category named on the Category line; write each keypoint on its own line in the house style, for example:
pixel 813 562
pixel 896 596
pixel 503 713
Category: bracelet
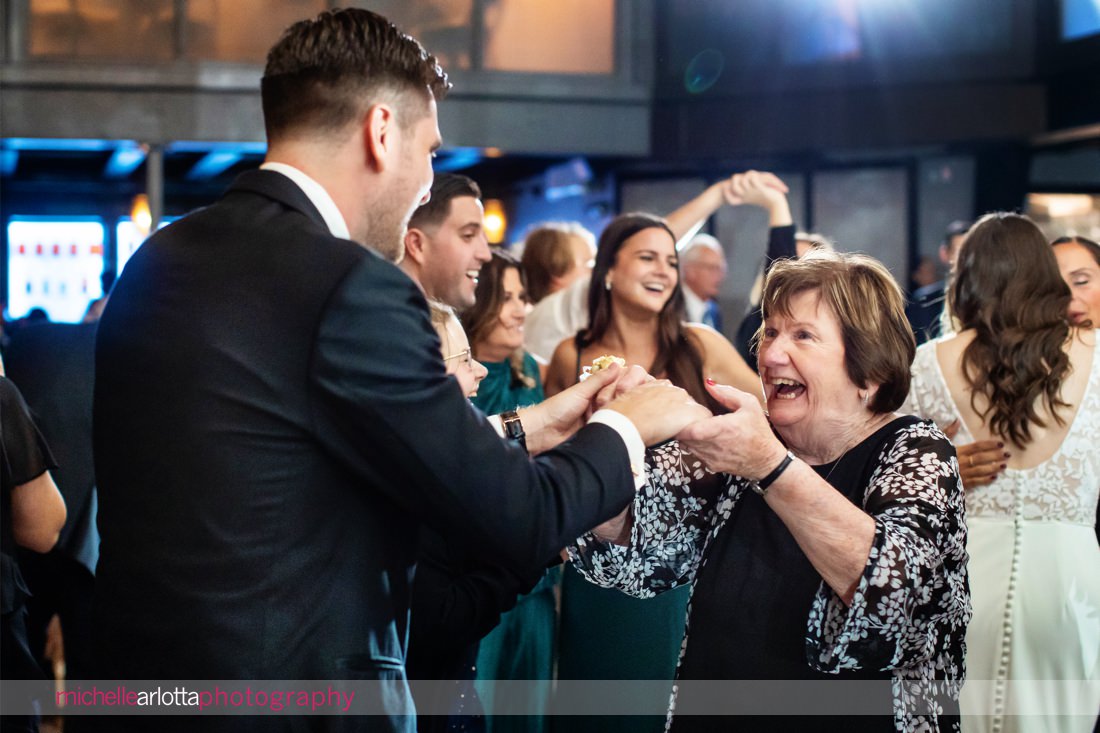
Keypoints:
pixel 513 428
pixel 761 486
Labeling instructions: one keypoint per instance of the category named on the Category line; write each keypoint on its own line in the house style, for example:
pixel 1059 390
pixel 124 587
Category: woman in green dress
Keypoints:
pixel 522 646
pixel 636 312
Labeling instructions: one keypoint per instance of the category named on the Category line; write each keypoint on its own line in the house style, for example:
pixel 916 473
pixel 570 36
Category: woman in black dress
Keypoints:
pixel 32 513
pixel 828 557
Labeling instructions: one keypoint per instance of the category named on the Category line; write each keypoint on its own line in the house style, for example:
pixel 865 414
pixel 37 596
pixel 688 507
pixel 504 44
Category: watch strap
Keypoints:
pixel 761 486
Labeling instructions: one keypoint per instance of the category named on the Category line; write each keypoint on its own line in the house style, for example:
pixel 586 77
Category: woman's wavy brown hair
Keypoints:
pixel 677 358
pixel 1008 289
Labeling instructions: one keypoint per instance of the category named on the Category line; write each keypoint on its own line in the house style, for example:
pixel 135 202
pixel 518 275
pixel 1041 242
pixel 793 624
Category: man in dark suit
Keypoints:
pixel 927 304
pixel 272 420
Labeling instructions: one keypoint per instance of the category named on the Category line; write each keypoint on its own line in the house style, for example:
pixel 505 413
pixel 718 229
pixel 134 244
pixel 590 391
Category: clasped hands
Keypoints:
pixel 657 408
pixel 739 442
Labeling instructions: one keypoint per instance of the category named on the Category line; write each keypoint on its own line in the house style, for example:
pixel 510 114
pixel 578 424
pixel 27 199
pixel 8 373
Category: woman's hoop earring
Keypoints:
pixel 606 284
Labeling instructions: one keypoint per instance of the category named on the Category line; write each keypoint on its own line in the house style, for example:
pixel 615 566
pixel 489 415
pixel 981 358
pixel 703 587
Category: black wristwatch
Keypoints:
pixel 761 486
pixel 513 428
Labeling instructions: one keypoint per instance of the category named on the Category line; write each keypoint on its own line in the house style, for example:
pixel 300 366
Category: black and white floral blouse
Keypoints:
pixel 760 611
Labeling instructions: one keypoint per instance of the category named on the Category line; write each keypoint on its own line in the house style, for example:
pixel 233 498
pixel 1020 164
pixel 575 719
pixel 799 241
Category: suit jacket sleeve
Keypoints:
pixel 383 404
pixel 456 606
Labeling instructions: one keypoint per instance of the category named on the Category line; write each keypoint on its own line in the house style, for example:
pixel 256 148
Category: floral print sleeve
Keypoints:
pixel 910 610
pixel 912 605
pixel 673 514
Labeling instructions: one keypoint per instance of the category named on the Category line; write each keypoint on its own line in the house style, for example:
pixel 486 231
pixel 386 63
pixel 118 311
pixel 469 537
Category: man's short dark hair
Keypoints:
pixel 323 73
pixel 956 228
pixel 445 187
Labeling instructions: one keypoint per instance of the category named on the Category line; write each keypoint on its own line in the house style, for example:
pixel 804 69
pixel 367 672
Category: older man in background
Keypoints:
pixel 703 268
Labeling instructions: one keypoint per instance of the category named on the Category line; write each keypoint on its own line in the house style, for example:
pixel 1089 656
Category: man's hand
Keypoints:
pixel 550 422
pixel 658 409
pixel 631 377
pixel 979 462
pixel 740 442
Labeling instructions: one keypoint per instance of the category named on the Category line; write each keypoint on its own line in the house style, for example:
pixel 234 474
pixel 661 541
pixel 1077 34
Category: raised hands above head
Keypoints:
pixel 763 189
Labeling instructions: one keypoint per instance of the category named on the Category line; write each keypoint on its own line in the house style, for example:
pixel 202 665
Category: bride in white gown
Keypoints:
pixel 1017 373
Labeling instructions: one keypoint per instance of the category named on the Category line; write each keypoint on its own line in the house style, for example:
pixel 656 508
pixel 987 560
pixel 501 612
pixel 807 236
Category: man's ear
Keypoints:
pixel 945 255
pixel 379 136
pixel 415 244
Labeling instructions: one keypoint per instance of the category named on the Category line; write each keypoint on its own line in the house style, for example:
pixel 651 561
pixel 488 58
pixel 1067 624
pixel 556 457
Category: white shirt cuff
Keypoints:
pixel 497 424
pixel 635 447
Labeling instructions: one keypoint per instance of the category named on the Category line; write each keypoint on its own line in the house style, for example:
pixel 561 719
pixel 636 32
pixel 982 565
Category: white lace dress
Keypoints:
pixel 1033 646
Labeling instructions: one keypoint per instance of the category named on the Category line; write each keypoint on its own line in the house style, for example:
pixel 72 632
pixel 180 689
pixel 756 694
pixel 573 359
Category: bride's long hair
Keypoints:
pixel 1008 289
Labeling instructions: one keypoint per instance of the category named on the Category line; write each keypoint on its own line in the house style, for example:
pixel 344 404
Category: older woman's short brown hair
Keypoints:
pixel 548 254
pixel 867 302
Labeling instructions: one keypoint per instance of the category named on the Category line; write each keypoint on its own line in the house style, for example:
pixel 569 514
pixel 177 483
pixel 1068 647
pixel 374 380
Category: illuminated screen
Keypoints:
pixel 1080 18
pixel 128 238
pixel 54 264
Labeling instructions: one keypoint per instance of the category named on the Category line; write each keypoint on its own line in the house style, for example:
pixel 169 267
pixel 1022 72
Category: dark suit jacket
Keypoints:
pixel 924 311
pixel 273 425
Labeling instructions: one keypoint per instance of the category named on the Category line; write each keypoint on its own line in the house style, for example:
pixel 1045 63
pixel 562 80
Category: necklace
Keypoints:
pixel 838 460
pixel 875 425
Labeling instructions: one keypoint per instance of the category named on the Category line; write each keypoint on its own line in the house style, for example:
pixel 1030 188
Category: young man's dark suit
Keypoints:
pixel 272 425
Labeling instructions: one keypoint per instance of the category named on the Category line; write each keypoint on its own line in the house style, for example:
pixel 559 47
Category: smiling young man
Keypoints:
pixel 273 423
pixel 445 245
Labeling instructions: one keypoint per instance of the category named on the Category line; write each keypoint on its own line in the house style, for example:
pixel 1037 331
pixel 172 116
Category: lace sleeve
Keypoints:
pixel 673 515
pixel 912 604
pixel 929 397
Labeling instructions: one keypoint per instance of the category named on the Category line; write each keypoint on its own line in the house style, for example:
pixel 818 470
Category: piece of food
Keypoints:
pixel 601 362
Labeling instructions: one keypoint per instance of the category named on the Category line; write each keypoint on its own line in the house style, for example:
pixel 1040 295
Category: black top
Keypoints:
pixel 24 456
pixel 762 625
pixel 54 366
pixel 755 556
pixel 781 245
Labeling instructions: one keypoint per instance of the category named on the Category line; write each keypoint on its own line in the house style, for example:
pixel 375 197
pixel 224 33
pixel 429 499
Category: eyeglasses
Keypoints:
pixel 467 356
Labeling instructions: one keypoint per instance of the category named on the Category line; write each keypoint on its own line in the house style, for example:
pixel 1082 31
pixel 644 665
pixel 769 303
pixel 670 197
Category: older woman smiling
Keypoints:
pixel 826 544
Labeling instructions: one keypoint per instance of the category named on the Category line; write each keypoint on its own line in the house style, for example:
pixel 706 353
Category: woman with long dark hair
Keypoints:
pixel 636 312
pixel 1018 372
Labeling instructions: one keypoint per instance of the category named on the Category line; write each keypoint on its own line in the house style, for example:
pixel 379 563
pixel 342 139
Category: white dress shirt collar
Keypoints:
pixel 695 307
pixel 317 195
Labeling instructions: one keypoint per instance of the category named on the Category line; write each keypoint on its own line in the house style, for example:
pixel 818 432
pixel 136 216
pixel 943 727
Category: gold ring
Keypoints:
pixel 971 459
